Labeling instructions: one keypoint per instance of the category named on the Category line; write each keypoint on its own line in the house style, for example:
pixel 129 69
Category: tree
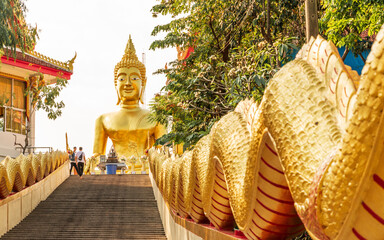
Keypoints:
pixel 311 19
pixel 45 97
pixel 344 22
pixel 238 46
pixel 14 32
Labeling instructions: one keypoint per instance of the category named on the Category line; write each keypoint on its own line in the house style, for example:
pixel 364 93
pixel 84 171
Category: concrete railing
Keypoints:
pixel 16 207
pixel 177 227
pixel 171 228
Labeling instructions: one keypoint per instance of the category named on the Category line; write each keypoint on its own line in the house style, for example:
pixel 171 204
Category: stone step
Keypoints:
pixel 95 207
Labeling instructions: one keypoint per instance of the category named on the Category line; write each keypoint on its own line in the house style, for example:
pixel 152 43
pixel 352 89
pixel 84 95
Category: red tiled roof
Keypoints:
pixel 33 59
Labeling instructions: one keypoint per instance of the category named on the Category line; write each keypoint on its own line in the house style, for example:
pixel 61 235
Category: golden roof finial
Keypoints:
pixel 70 62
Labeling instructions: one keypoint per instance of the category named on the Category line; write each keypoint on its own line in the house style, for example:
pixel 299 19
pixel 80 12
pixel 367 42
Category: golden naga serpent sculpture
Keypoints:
pixel 24 171
pixel 310 156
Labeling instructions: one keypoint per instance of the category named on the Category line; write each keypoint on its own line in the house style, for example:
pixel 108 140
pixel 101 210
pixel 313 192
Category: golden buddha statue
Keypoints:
pixel 129 128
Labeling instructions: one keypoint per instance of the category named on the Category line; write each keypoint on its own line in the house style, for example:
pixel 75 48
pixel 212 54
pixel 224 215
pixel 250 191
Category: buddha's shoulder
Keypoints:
pixel 145 120
pixel 144 112
pixel 142 115
pixel 104 116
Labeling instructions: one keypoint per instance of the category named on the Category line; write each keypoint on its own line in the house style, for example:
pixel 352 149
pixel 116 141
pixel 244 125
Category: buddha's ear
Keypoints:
pixel 141 95
pixel 118 98
pixel 142 91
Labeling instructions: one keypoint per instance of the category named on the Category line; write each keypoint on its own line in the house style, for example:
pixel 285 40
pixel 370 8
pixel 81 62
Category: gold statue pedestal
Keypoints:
pixel 112 164
pixel 119 167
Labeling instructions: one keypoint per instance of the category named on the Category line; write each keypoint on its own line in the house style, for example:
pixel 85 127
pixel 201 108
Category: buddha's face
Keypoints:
pixel 128 84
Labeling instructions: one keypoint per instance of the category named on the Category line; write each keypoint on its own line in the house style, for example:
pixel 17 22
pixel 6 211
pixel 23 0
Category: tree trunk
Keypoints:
pixel 312 25
pixel 226 48
pixel 26 140
pixel 345 54
pixel 269 20
pixel 362 57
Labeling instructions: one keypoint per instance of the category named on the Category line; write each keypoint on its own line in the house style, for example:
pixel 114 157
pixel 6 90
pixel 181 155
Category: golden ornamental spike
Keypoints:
pixel 130 47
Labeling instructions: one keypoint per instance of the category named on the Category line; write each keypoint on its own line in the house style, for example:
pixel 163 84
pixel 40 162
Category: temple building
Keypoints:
pixel 16 71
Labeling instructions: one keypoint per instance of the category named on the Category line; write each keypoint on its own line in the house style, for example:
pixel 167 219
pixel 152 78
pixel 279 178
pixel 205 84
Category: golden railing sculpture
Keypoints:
pixel 309 156
pixel 24 171
pixel 68 65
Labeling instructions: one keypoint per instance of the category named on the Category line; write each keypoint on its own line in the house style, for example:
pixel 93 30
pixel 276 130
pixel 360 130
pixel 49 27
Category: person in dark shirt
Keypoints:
pixel 72 159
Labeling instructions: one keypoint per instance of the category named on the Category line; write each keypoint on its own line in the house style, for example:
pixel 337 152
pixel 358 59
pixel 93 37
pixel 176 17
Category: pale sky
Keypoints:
pixel 98 31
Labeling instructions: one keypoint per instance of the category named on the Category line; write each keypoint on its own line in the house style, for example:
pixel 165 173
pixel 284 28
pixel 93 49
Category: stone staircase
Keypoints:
pixel 95 207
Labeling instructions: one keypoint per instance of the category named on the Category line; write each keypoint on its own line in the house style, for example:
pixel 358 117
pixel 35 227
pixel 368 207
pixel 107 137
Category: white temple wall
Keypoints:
pixel 7 147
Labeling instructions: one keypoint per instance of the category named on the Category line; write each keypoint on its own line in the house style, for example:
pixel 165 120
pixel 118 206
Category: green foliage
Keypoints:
pixel 343 22
pixel 14 32
pixel 238 46
pixel 303 236
pixel 45 97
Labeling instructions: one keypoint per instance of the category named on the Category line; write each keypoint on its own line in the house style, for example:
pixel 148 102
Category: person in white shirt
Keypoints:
pixel 80 159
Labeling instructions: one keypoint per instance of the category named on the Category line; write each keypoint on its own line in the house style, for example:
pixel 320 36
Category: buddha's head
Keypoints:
pixel 130 77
